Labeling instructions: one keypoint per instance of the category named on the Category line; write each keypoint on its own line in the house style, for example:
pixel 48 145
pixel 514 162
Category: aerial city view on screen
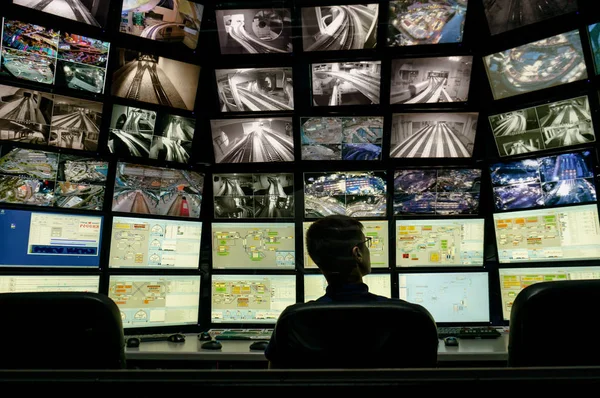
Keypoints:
pixel 255 31
pixel 355 194
pixel 259 195
pixel 554 180
pixel 504 15
pixel 416 22
pixel 554 125
pixel 346 83
pixel 82 63
pixel 534 66
pixel 430 80
pixel 156 190
pixel 437 191
pixel 91 12
pixel 171 21
pixel 433 135
pixel 253 140
pixel 339 27
pixel 341 138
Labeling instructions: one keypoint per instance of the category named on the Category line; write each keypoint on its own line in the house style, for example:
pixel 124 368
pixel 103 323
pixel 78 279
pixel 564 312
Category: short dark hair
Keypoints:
pixel 329 242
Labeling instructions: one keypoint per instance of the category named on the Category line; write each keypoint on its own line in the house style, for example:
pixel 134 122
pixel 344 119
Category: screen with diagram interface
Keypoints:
pixel 316 284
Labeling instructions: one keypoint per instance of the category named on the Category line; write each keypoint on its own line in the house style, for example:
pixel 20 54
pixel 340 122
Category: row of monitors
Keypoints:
pixel 167 300
pixel 70 240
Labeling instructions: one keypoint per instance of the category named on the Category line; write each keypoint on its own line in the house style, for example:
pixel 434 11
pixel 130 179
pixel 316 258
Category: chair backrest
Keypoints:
pixel 60 330
pixel 386 334
pixel 552 324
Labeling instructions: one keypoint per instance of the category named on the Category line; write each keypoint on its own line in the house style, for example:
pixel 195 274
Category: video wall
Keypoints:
pixel 172 154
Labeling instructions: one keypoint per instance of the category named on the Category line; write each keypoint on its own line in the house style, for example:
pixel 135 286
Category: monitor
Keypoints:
pixel 417 22
pixel 174 83
pixel 450 297
pixel 154 243
pixel 258 195
pixel 49 283
pixel 253 245
pixel 339 27
pixel 90 13
pixel 253 140
pixel 316 284
pixel 431 80
pixel 566 178
pixel 238 299
pixel 265 30
pixel 440 243
pixel 172 22
pixel 346 83
pixel 50 240
pixel 569 233
pixel 545 63
pixel 505 15
pixel 513 280
pixel 379 249
pixel 255 89
pixel 341 138
pixel 352 193
pixel 594 35
pixel 156 300
pixel 157 190
pixel 554 125
pixel 437 191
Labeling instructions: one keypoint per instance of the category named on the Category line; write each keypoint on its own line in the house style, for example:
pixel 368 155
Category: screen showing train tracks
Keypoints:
pixel 346 83
pixel 87 12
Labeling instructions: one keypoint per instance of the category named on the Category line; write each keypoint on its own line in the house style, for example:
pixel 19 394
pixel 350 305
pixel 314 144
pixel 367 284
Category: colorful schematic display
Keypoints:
pixel 254 246
pixel 431 243
pixel 379 249
pixel 154 243
pixel 559 234
pixel 315 285
pixel 251 298
pixel 554 180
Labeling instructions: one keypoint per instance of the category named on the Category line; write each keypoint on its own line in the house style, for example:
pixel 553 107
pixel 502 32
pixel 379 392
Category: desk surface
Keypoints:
pixel 238 350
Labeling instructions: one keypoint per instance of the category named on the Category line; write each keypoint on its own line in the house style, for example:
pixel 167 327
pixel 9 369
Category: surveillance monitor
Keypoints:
pixel 40 283
pixel 594 35
pixel 505 15
pixel 315 285
pixel 93 13
pixel 346 83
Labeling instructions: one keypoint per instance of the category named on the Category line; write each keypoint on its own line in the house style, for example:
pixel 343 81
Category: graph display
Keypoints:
pixel 316 284
pixel 49 283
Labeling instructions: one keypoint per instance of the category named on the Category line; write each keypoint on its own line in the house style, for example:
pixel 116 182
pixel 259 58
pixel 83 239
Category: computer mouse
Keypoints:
pixel 451 341
pixel 212 345
pixel 176 338
pixel 133 342
pixel 204 336
pixel 259 345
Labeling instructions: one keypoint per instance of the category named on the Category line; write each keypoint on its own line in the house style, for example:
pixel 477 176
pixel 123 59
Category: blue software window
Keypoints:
pixel 42 239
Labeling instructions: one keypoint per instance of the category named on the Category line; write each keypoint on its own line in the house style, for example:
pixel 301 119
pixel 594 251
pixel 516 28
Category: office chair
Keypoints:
pixel 387 334
pixel 551 324
pixel 60 330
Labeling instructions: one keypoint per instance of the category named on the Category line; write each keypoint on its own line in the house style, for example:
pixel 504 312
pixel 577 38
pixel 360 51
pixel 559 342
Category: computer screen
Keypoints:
pixel 566 178
pixel 352 193
pixel 431 80
pixel 42 239
pixel 90 13
pixel 154 243
pixel 450 297
pixel 555 125
pixel 255 31
pixel 379 249
pixel 253 140
pixel 513 280
pixel 341 138
pixel 439 243
pixel 339 27
pixel 156 300
pixel 545 63
pixel 346 83
pixel 255 89
pixel 315 285
pixel 554 234
pixel 504 15
pixel 594 34
pixel 49 283
pixel 253 245
pixel 437 191
pixel 417 22
pixel 251 298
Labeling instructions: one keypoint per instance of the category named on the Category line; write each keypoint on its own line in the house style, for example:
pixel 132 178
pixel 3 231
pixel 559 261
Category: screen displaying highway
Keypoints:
pixel 560 234
pixel 91 12
pixel 315 285
pixel 346 83
pixel 567 178
pixel 504 15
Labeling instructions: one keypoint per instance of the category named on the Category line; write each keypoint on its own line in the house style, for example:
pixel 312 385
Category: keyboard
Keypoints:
pixel 151 337
pixel 469 332
pixel 241 334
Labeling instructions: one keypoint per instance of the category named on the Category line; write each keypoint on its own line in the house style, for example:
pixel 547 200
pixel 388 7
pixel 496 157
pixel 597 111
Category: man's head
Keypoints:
pixel 338 246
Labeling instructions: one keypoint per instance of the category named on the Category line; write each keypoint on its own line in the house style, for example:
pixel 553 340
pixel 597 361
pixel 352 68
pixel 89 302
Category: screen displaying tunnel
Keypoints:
pixel 346 83
pixel 90 12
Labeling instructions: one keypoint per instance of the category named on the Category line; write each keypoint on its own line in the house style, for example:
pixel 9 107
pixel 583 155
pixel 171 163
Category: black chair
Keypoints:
pixel 388 334
pixel 60 330
pixel 552 324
